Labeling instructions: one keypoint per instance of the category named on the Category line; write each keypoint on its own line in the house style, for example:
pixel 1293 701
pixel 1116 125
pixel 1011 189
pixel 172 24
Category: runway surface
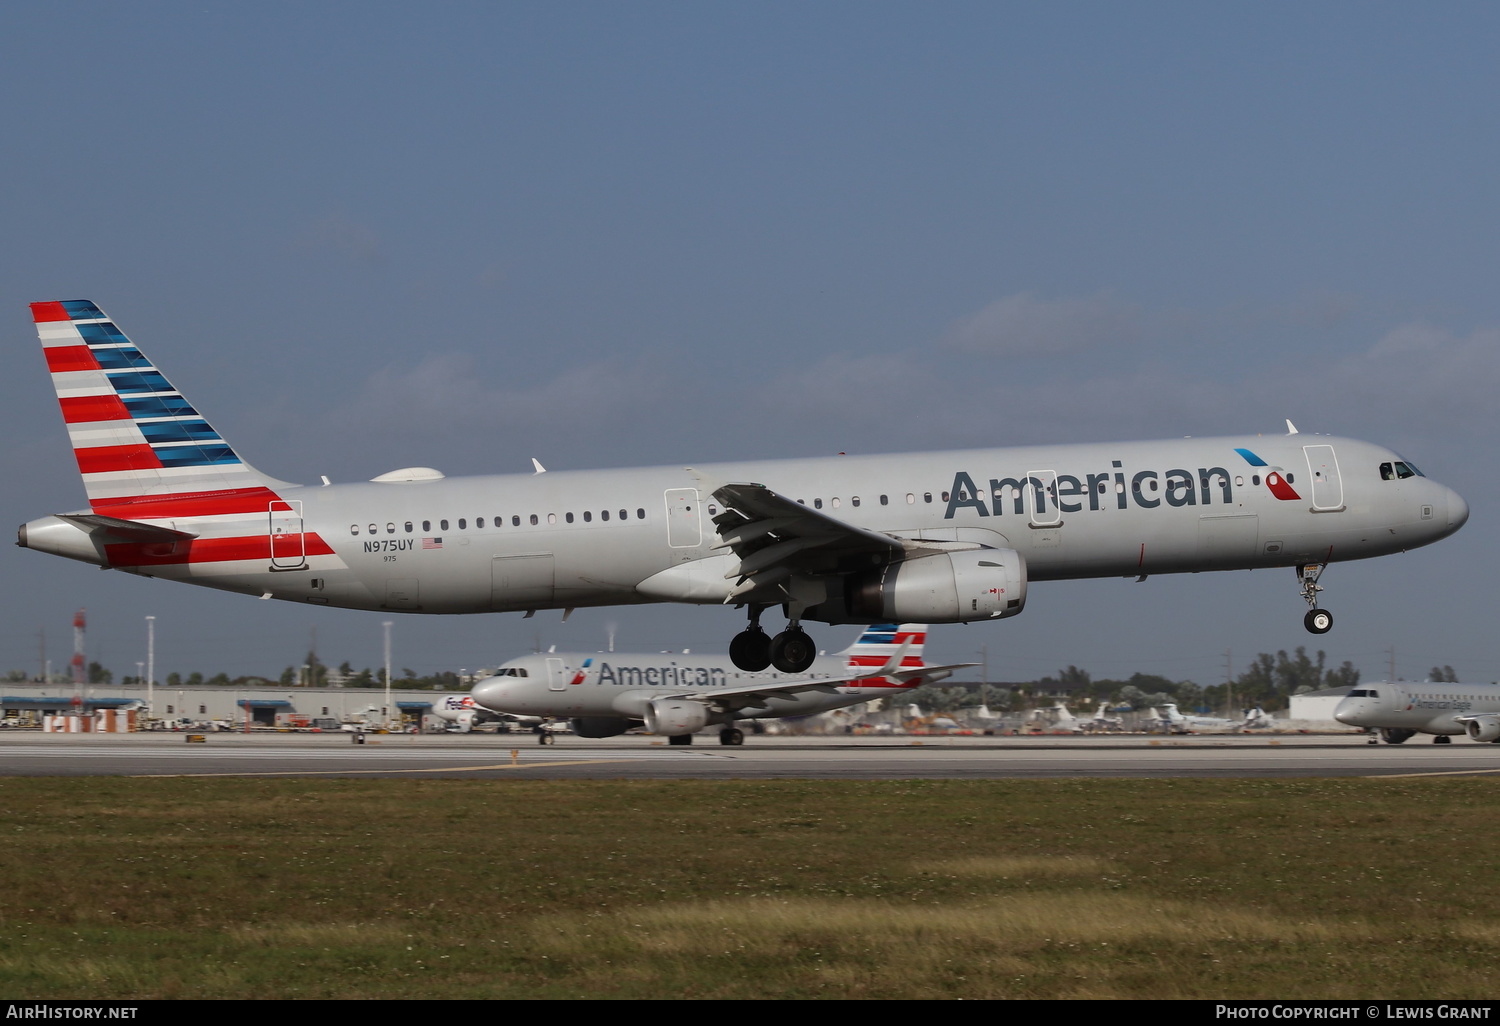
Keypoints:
pixel 636 757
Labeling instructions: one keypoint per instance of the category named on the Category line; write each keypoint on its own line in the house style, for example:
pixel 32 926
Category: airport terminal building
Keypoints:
pixel 217 707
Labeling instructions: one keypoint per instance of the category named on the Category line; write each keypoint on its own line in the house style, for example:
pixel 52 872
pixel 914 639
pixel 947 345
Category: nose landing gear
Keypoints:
pixel 1317 621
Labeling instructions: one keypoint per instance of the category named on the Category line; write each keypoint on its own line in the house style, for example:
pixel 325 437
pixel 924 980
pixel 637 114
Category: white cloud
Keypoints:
pixel 350 239
pixel 1023 325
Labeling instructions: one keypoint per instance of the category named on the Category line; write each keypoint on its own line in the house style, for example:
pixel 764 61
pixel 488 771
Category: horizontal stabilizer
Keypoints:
pixel 124 530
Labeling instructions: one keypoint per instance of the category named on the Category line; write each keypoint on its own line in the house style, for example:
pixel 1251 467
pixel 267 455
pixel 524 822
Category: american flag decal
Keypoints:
pixel 432 543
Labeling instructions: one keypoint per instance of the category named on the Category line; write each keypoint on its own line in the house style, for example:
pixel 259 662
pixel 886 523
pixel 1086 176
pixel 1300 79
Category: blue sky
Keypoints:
pixel 367 236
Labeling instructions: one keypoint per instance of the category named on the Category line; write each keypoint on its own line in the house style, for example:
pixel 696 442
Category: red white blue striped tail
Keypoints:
pixel 143 450
pixel 878 643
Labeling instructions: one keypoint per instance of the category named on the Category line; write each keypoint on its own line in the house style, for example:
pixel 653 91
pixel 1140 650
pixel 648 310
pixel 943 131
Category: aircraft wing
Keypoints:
pixel 775 537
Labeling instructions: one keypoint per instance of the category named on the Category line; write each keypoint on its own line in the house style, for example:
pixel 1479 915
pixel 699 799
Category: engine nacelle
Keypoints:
pixel 949 587
pixel 600 726
pixel 675 716
pixel 1484 728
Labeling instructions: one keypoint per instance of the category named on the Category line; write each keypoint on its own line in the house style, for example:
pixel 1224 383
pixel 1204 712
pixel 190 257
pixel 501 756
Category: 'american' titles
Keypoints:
pixel 1039 494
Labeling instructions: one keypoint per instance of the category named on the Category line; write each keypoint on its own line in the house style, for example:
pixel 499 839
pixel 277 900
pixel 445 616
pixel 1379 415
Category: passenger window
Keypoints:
pixel 463 523
pixel 390 528
pixel 515 521
pixel 926 496
pixel 426 526
pixel 372 529
pixel 640 514
pixel 885 500
pixel 910 498
pixel 817 504
pixel 443 525
pixel 624 515
pixel 408 527
pixel 534 520
pixel 945 496
pixel 587 516
pixel 835 502
pixel 551 518
pixel 354 529
pixel 604 514
pixel 854 501
pixel 568 517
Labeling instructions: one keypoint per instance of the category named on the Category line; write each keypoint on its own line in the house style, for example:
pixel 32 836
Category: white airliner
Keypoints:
pixel 604 694
pixel 465 715
pixel 1402 710
pixel 940 537
pixel 1178 723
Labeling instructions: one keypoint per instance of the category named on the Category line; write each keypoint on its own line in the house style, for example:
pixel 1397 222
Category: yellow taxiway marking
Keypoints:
pixel 1437 773
pixel 435 769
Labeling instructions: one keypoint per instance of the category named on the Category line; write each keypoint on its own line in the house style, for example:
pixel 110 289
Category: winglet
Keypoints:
pixel 1291 428
pixel 894 662
pixel 538 465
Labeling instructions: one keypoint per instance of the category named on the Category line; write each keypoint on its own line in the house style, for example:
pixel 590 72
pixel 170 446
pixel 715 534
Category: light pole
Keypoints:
pixel 386 626
pixel 150 666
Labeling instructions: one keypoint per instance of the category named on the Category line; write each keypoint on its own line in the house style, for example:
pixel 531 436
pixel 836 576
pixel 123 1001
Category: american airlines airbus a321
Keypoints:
pixel 941 537
pixel 607 693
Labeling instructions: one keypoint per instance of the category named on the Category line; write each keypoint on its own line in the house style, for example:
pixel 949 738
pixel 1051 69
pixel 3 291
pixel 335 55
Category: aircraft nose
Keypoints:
pixel 1458 510
pixel 491 693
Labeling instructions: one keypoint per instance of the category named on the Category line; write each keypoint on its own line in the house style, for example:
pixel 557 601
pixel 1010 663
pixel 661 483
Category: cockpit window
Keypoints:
pixel 1398 471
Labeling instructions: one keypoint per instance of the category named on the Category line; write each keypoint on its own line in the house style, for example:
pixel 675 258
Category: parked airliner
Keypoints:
pixel 607 693
pixel 940 537
pixel 1400 710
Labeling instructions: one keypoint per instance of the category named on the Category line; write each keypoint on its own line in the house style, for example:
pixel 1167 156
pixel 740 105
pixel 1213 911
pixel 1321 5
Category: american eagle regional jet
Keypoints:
pixel 938 537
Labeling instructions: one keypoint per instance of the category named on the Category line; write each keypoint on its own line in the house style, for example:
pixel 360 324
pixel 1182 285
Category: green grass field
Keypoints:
pixel 237 888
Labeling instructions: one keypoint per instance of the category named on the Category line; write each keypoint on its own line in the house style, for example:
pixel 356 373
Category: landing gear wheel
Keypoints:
pixel 731 736
pixel 546 737
pixel 1442 739
pixel 1395 735
pixel 1318 621
pixel 792 651
pixel 750 649
pixel 680 739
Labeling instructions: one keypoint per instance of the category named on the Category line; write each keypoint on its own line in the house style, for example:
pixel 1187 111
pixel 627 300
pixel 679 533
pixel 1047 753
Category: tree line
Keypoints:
pixel 1269 682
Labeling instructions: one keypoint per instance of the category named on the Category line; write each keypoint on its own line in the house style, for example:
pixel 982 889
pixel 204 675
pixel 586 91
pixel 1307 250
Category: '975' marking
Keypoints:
pixel 389 545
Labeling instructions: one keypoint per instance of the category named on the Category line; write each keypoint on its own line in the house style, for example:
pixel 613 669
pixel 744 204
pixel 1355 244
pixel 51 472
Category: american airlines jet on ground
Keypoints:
pixel 607 693
pixel 944 537
pixel 1437 708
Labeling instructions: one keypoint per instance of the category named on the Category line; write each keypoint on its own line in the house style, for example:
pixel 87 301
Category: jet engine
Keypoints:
pixel 1484 728
pixel 949 587
pixel 675 716
pixel 600 726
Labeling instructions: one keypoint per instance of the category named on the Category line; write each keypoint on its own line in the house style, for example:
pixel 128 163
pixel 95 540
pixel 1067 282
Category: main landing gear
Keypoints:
pixel 731 736
pixel 791 651
pixel 1317 621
